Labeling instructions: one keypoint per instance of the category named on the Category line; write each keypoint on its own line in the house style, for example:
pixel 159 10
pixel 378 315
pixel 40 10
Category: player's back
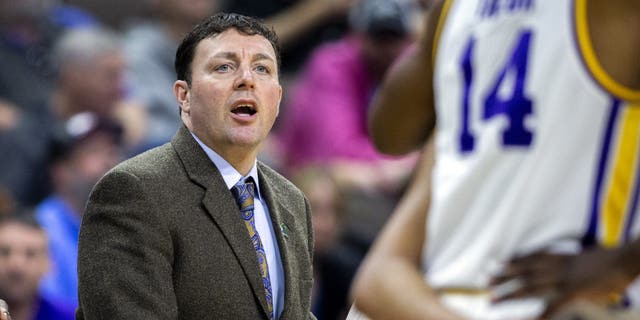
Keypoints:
pixel 537 146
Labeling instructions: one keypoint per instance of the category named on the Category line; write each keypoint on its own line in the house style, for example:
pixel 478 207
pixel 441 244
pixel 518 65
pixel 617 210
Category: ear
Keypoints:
pixel 181 91
pixel 279 99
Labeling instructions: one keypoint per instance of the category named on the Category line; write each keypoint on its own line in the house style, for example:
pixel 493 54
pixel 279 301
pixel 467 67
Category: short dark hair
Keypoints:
pixel 22 216
pixel 211 27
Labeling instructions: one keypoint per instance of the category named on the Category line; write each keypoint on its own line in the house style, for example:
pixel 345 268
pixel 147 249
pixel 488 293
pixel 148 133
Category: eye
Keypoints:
pixel 223 68
pixel 262 69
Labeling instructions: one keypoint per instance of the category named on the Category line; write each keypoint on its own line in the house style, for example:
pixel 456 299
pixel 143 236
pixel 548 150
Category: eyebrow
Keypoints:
pixel 234 56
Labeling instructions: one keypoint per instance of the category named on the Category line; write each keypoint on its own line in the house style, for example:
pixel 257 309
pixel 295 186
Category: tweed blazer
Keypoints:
pixel 162 238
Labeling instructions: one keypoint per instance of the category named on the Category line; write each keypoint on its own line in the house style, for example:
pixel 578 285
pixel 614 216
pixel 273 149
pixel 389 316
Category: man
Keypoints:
pixel 535 186
pixel 87 147
pixel 164 237
pixel 90 78
pixel 23 262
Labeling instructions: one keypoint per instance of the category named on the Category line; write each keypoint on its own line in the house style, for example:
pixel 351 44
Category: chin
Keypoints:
pixel 249 142
pixel 246 138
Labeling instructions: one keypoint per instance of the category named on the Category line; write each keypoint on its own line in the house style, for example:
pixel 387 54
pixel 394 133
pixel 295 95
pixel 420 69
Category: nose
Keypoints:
pixel 16 261
pixel 245 80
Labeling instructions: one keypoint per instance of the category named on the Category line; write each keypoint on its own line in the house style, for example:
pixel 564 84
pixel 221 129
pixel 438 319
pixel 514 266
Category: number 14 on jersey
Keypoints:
pixel 515 107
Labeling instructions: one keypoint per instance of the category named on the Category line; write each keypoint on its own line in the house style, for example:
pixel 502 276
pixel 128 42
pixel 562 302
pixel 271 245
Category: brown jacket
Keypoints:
pixel 162 238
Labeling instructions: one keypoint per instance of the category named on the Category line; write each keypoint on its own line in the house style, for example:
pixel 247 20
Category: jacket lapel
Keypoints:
pixel 282 220
pixel 221 206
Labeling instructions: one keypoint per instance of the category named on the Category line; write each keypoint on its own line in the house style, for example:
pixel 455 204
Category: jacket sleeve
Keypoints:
pixel 309 243
pixel 125 254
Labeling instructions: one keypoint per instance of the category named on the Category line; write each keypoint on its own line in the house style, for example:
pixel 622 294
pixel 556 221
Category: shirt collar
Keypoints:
pixel 230 175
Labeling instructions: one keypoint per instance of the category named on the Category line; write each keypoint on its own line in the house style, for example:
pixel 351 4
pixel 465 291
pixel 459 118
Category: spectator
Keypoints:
pixel 150 49
pixel 23 262
pixel 28 30
pixel 333 267
pixel 90 79
pixel 326 117
pixel 87 149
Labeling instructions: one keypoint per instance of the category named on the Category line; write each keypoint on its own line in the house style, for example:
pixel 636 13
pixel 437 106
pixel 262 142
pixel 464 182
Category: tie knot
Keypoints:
pixel 244 192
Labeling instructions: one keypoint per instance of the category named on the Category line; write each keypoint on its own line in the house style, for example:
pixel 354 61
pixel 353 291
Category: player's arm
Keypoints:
pixel 612 33
pixel 402 111
pixel 389 284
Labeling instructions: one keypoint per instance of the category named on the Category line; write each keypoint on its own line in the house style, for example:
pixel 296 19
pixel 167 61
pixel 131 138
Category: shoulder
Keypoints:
pixel 158 161
pixel 149 170
pixel 608 43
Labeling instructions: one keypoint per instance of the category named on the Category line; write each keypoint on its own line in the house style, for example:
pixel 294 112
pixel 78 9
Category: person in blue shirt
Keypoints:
pixel 87 147
pixel 23 262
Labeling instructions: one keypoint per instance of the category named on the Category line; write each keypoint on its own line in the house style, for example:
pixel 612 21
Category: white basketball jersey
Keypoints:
pixel 537 147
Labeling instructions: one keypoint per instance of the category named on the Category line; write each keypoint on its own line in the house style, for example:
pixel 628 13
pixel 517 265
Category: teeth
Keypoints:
pixel 244 109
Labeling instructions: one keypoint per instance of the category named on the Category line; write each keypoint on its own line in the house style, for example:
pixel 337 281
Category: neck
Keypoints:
pixel 241 160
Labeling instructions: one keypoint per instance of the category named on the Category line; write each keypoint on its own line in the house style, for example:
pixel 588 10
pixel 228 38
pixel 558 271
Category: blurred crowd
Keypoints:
pixel 86 84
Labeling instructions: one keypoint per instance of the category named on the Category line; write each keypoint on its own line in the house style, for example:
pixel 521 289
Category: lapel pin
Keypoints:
pixel 284 230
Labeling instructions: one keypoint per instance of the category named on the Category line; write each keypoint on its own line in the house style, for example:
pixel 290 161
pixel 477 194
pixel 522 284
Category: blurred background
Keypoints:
pixel 85 84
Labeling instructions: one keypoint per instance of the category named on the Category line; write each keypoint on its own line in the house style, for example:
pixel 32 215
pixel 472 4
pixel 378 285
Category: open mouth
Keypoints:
pixel 244 110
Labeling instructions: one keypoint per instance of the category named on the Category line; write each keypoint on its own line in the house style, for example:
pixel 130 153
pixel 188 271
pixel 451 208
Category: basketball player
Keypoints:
pixel 537 167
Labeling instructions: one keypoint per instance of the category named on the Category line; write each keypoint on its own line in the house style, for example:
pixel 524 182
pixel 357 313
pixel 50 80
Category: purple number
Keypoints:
pixel 466 137
pixel 516 107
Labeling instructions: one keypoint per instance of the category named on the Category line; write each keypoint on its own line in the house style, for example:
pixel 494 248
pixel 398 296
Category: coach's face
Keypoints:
pixel 234 96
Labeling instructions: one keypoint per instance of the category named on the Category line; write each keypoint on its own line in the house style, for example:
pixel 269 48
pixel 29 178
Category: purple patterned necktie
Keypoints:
pixel 244 193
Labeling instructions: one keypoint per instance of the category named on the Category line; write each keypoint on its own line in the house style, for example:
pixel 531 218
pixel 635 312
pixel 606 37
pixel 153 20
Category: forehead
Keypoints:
pixel 231 40
pixel 19 235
